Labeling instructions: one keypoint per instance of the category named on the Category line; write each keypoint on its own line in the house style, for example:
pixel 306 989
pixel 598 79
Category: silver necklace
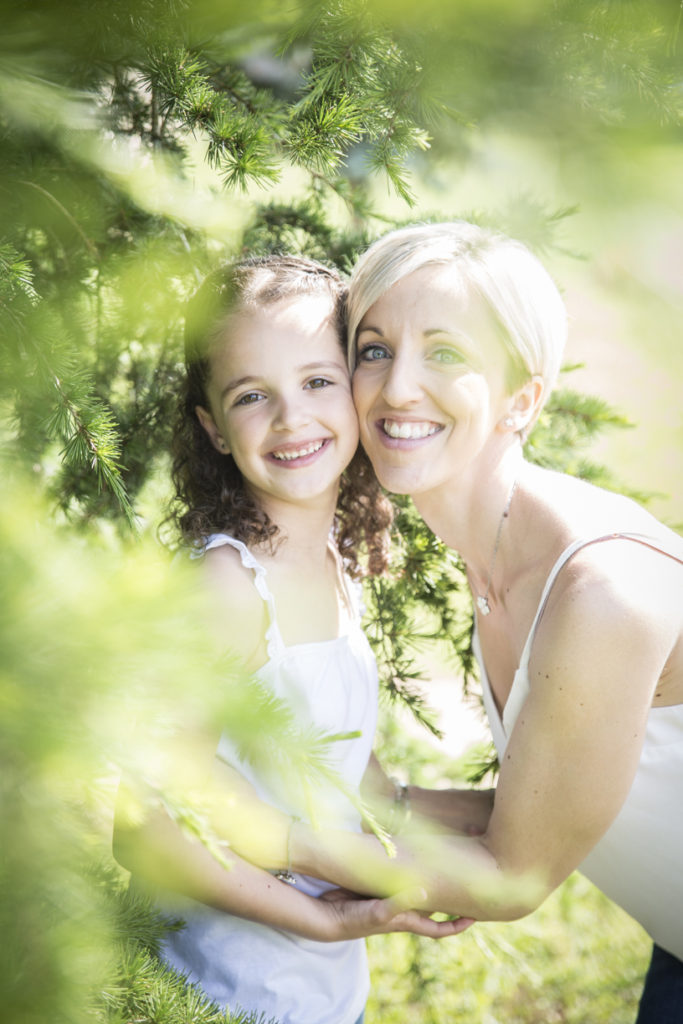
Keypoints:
pixel 483 600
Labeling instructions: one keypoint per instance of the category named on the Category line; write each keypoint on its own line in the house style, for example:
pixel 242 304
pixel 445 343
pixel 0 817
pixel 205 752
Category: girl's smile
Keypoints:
pixel 299 454
pixel 280 401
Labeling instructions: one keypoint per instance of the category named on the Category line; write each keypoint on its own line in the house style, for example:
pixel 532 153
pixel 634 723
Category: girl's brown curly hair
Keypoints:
pixel 210 495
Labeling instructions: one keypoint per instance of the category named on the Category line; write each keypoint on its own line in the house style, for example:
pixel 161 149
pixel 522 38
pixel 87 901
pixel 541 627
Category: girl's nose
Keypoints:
pixel 291 412
pixel 401 383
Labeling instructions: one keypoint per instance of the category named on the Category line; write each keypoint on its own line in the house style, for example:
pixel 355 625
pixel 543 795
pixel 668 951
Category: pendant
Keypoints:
pixel 483 605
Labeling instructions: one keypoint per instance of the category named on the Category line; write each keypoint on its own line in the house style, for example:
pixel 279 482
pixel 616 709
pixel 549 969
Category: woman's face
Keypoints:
pixel 430 382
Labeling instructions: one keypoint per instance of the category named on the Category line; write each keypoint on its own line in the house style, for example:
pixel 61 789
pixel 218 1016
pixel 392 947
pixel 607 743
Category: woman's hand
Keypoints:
pixel 353 916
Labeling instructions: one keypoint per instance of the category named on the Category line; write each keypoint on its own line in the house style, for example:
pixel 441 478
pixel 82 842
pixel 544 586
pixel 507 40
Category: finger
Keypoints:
pixel 419 924
pixel 461 924
pixel 406 899
pixel 339 895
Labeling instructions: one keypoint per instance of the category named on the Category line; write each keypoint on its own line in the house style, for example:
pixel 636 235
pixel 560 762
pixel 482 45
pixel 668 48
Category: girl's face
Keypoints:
pixel 280 401
pixel 429 384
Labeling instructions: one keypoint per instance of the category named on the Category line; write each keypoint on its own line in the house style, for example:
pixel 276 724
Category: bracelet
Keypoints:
pixel 285 875
pixel 400 809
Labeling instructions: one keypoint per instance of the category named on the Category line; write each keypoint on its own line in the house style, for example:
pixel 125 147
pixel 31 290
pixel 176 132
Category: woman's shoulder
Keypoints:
pixel 617 599
pixel 584 511
pixel 605 555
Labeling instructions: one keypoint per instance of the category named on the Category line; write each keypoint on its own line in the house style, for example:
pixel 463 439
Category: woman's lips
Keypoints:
pixel 408 430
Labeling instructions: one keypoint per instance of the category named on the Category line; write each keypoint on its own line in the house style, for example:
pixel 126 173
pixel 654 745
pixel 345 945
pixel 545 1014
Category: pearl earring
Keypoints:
pixel 508 421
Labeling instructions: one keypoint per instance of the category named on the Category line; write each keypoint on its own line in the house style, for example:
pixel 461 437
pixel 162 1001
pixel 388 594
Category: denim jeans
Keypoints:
pixel 662 999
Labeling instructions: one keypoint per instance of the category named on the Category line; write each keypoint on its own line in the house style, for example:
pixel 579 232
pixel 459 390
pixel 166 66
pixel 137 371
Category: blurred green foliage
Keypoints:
pixel 141 143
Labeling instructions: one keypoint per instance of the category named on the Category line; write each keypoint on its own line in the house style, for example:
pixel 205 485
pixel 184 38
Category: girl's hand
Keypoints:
pixel 353 916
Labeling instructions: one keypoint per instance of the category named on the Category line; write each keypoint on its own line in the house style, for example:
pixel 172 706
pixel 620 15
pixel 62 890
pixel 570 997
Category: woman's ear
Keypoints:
pixel 525 405
pixel 215 436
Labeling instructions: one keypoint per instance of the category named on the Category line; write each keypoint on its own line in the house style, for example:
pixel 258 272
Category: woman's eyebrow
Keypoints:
pixel 369 327
pixel 455 335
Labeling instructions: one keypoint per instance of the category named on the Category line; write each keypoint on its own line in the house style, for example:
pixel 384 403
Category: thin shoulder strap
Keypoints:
pixel 351 595
pixel 274 643
pixel 640 538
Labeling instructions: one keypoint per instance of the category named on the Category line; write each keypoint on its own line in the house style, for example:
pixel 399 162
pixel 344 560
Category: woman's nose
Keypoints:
pixel 401 383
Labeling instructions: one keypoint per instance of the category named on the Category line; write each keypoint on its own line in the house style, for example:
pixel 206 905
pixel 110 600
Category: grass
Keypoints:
pixel 579 959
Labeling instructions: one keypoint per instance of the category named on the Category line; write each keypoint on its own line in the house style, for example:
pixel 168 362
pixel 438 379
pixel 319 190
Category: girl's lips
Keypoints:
pixel 294 455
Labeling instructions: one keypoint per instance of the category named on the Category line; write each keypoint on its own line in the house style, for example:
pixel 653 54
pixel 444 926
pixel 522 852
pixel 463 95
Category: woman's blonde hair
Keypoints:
pixel 518 290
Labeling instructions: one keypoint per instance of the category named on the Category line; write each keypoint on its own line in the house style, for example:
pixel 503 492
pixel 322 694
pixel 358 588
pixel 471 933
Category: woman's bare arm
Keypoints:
pixel 466 811
pixel 568 767
pixel 159 852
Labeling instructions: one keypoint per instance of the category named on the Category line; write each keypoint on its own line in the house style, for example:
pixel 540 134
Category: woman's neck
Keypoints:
pixel 471 514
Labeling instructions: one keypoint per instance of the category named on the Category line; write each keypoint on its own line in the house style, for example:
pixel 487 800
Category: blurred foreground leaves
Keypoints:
pixel 108 671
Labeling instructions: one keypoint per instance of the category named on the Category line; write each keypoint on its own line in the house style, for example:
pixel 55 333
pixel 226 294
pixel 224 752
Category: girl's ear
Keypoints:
pixel 215 436
pixel 525 405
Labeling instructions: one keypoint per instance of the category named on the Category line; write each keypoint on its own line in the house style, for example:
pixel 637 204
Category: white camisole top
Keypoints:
pixel 638 863
pixel 332 686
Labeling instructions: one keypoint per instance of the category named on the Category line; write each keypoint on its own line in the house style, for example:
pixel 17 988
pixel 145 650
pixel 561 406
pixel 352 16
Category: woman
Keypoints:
pixel 456 337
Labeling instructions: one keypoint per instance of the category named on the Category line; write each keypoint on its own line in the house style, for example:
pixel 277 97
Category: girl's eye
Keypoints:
pixel 372 353
pixel 249 398
pixel 318 382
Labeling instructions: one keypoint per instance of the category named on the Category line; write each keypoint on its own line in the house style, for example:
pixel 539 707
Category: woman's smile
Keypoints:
pixel 409 430
pixel 430 381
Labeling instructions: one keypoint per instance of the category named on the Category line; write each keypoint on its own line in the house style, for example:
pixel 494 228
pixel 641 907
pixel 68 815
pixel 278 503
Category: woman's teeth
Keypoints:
pixel 411 431
pixel 298 453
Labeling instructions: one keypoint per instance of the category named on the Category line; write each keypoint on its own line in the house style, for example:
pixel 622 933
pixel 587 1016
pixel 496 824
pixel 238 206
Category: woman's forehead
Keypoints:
pixel 431 291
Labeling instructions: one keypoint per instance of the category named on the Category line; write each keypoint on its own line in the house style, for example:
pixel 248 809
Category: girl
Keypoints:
pixel 273 495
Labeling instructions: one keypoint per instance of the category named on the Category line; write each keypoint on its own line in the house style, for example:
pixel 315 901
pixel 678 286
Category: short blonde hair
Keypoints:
pixel 518 290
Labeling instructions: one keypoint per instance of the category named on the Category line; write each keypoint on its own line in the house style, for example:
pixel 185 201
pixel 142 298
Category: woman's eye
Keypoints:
pixel 372 353
pixel 249 398
pixel 447 356
pixel 318 382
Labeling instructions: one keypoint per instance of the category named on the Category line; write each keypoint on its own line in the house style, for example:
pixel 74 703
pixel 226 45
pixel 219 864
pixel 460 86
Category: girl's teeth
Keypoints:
pixel 299 452
pixel 409 431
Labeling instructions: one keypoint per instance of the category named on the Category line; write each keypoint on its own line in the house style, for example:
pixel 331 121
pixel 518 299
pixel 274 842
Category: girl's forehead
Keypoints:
pixel 277 336
pixel 311 313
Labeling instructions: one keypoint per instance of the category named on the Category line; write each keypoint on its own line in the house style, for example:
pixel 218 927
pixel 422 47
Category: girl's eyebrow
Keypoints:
pixel 231 385
pixel 328 364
